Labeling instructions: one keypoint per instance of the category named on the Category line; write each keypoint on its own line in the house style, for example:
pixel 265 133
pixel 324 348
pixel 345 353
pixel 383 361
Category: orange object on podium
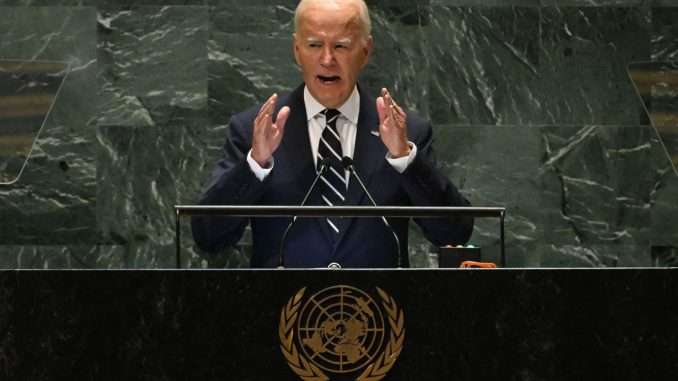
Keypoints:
pixel 477 265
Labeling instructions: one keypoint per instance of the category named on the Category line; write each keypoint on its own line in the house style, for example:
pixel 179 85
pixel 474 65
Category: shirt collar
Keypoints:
pixel 349 109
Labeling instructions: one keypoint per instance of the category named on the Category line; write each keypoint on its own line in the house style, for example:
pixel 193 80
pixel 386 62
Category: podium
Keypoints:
pixel 226 324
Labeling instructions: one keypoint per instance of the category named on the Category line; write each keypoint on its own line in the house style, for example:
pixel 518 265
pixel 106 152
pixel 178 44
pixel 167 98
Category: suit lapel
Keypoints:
pixel 295 145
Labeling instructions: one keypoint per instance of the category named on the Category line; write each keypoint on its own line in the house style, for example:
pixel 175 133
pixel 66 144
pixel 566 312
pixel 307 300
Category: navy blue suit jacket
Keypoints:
pixel 365 242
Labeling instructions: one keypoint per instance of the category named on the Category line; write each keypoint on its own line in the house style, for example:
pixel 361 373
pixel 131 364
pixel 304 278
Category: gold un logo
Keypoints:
pixel 341 330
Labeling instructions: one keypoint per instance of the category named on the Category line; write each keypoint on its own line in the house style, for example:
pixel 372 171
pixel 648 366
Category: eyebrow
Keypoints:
pixel 346 40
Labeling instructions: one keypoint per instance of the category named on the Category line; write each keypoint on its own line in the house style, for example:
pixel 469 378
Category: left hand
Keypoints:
pixel 392 125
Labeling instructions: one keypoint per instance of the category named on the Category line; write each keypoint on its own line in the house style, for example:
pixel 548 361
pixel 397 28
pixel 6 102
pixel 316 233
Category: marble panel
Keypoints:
pixel 597 3
pixel 142 173
pixel 499 166
pixel 59 257
pixel 486 3
pixel 610 180
pixel 250 57
pixel 400 60
pixel 288 4
pixel 664 211
pixel 664 38
pixel 54 201
pixel 484 65
pixel 575 196
pixel 583 61
pixel 152 64
pixel 103 3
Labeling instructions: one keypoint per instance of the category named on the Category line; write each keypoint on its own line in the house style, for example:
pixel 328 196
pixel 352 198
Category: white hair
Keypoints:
pixel 364 14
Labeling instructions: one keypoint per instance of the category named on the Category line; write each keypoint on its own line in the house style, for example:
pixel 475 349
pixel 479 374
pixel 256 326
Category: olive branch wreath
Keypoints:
pixel 311 372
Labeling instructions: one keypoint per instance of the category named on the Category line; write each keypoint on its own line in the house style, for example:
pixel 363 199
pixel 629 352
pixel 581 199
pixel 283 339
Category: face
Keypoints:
pixel 331 49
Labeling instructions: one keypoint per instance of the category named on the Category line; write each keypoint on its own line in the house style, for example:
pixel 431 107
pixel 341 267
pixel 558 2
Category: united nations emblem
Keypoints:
pixel 341 330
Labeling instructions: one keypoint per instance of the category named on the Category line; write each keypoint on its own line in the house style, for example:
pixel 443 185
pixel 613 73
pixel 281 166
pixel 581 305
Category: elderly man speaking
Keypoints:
pixel 274 152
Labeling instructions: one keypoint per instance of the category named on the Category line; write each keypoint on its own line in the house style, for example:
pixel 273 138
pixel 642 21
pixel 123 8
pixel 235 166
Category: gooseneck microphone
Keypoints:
pixel 324 165
pixel 348 164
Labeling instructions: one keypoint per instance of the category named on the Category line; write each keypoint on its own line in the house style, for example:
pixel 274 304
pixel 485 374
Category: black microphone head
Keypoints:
pixel 323 164
pixel 347 162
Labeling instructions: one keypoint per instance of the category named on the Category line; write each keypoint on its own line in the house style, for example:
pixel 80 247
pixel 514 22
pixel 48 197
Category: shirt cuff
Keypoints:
pixel 258 171
pixel 400 164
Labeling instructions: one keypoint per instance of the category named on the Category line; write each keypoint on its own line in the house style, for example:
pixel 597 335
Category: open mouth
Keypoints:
pixel 328 79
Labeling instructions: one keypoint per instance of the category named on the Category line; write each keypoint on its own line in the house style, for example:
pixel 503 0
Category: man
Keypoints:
pixel 273 153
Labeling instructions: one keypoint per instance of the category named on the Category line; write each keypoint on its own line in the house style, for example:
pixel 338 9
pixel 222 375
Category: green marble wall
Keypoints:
pixel 530 99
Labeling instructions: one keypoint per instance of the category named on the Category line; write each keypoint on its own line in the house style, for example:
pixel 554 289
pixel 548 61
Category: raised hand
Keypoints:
pixel 392 125
pixel 266 134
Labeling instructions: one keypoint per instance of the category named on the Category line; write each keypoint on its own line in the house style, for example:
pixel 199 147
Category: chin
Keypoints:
pixel 333 100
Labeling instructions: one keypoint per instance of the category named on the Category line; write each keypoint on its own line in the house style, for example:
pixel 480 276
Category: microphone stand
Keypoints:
pixel 324 164
pixel 348 164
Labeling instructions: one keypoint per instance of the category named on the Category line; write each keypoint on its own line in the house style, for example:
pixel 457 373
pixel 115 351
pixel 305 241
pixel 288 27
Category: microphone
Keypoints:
pixel 324 165
pixel 347 162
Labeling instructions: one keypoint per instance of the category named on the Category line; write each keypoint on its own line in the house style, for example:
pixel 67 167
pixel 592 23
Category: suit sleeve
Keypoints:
pixel 232 183
pixel 426 185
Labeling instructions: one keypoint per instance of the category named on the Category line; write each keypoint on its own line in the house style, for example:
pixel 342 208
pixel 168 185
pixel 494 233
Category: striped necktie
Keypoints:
pixel 333 184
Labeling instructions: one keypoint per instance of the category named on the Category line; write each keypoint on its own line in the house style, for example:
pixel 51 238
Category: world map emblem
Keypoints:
pixel 341 330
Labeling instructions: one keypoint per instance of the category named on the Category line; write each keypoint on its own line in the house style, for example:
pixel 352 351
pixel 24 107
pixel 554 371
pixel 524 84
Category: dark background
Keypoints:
pixel 530 99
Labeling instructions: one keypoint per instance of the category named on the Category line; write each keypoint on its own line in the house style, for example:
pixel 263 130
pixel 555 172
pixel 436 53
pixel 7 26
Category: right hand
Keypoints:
pixel 266 135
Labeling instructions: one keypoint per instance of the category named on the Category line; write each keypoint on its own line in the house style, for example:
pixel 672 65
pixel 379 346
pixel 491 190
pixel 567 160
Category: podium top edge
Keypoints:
pixel 343 211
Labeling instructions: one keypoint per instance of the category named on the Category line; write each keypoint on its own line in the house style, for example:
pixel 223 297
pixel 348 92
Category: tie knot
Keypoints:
pixel 330 114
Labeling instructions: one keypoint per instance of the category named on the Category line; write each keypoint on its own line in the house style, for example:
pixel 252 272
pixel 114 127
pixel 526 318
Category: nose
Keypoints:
pixel 327 56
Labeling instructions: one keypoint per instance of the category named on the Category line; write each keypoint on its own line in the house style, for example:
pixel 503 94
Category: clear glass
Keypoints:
pixel 28 92
pixel 657 86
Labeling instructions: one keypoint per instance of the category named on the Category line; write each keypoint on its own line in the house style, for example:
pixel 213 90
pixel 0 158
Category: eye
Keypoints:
pixel 314 45
pixel 341 46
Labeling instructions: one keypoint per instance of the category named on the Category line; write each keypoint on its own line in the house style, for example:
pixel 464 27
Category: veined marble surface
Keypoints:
pixel 531 103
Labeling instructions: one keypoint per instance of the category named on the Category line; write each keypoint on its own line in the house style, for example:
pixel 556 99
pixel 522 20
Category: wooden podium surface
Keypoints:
pixel 566 324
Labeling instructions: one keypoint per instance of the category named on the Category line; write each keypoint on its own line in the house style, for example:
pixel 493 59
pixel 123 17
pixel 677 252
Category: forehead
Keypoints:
pixel 330 18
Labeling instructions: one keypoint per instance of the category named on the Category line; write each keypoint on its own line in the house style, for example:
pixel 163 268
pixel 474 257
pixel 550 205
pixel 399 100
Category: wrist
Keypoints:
pixel 264 162
pixel 402 152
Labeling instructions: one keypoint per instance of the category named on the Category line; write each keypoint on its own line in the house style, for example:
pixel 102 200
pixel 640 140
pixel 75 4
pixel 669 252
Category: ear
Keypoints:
pixel 367 48
pixel 295 48
pixel 369 45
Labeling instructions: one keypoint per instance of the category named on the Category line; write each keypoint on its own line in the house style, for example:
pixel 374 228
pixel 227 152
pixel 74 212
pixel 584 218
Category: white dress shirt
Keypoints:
pixel 347 126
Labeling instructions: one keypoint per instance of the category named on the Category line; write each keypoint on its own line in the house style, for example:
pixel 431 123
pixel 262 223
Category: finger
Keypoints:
pixel 267 107
pixel 392 114
pixel 263 107
pixel 389 100
pixel 381 110
pixel 384 127
pixel 259 120
pixel 261 127
pixel 400 110
pixel 399 119
pixel 270 104
pixel 281 118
